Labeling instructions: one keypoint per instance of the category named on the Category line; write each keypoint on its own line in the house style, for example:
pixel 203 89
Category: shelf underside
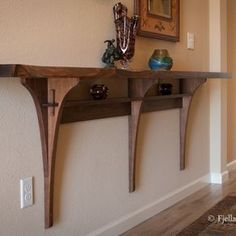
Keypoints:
pixel 89 110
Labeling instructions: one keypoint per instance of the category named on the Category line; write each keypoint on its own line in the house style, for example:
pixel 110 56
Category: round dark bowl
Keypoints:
pixel 165 89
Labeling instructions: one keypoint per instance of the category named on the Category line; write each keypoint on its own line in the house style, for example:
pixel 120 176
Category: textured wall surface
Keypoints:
pixel 91 182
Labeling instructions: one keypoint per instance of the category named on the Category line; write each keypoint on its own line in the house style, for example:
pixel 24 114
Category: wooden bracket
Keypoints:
pixel 188 87
pixel 137 88
pixel 49 96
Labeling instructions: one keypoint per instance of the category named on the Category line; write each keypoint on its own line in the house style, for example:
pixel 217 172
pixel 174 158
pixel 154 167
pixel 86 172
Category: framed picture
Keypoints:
pixel 158 19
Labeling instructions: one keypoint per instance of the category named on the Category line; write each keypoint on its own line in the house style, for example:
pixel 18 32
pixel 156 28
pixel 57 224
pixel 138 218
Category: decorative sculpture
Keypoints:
pixel 126 29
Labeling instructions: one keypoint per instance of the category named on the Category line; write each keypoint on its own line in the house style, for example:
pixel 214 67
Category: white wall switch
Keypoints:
pixel 26 192
pixel 190 41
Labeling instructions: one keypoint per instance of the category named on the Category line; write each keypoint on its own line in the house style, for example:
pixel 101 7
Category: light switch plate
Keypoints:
pixel 26 192
pixel 190 41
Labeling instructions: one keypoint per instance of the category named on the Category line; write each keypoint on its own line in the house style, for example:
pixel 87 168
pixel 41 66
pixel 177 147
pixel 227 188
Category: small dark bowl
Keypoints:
pixel 165 89
pixel 99 91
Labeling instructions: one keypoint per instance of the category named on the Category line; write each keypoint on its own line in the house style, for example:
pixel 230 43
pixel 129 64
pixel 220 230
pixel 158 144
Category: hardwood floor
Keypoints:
pixel 174 219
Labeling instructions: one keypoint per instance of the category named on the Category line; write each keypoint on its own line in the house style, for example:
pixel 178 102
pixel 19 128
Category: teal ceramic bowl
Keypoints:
pixel 160 60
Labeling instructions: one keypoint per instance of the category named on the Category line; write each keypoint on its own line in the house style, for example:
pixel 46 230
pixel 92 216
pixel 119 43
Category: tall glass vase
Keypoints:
pixel 126 29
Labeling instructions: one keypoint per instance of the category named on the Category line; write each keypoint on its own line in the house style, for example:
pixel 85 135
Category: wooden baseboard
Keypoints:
pixel 219 178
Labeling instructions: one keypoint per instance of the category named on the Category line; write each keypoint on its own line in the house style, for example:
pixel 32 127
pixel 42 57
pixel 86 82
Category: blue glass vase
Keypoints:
pixel 160 60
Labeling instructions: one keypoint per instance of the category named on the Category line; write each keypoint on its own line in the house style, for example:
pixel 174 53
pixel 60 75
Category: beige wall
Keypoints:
pixel 232 82
pixel 91 187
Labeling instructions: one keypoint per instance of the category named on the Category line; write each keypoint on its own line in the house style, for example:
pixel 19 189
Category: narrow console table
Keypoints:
pixel 49 87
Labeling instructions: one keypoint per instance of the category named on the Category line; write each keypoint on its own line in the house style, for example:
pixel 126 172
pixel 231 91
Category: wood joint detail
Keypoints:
pixel 52 104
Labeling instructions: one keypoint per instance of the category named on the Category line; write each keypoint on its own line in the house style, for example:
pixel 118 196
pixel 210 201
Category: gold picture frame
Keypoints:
pixel 158 19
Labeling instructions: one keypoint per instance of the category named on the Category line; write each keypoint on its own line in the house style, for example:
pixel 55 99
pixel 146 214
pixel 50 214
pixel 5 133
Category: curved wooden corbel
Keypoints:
pixel 137 89
pixel 189 87
pixel 49 96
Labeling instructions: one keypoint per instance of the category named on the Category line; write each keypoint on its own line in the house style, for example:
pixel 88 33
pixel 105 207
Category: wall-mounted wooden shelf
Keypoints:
pixel 80 110
pixel 49 87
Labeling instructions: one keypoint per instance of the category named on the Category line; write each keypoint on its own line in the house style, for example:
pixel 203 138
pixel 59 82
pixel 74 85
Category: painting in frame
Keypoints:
pixel 158 19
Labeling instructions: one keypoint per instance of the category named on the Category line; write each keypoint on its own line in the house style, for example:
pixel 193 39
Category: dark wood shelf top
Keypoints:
pixel 15 70
pixel 148 74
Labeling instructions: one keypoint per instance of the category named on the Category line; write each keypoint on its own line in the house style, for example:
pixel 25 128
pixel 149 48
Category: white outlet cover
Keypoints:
pixel 26 192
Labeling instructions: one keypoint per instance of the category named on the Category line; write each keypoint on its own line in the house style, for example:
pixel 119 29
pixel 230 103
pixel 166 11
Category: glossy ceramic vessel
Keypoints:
pixel 160 60
pixel 99 91
pixel 165 89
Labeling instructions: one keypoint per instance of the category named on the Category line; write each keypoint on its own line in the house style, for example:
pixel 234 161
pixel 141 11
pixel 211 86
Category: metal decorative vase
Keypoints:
pixel 160 60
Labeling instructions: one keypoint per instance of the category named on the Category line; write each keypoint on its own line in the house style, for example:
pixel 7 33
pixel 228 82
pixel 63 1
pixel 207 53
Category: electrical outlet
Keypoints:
pixel 26 192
